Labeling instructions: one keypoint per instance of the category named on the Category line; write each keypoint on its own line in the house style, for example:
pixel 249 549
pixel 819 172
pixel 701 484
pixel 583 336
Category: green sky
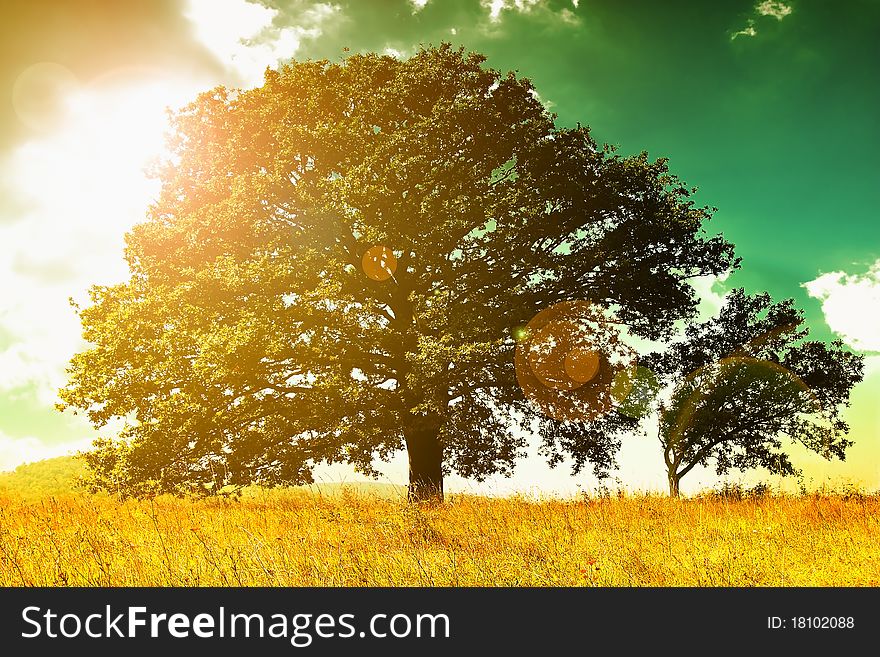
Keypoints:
pixel 771 108
pixel 778 130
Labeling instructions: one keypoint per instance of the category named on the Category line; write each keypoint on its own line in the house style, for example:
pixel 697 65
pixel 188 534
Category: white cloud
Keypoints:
pixel 548 104
pixel 496 7
pixel 394 52
pixel 711 293
pixel 851 304
pixel 245 36
pixel 749 31
pixel 777 10
pixel 568 16
pixel 16 451
pixel 770 8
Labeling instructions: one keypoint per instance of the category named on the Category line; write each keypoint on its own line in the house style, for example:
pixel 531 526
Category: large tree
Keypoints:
pixel 743 382
pixel 335 265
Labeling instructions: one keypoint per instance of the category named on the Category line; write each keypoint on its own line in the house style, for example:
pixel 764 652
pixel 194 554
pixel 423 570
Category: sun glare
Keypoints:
pixel 81 182
pixel 87 179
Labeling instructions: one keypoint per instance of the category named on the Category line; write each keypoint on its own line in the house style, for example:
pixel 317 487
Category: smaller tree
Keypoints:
pixel 744 380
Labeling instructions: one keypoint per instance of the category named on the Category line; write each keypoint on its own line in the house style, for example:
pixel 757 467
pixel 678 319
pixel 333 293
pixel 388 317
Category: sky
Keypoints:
pixel 770 108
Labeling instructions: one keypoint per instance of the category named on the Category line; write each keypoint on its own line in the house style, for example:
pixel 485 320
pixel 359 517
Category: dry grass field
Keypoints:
pixel 298 538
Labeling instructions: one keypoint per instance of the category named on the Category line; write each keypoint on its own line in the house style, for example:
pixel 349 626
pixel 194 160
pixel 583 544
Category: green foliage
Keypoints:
pixel 55 476
pixel 249 345
pixel 65 475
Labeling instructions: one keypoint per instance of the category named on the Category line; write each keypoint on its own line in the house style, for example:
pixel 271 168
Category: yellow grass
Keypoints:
pixel 302 539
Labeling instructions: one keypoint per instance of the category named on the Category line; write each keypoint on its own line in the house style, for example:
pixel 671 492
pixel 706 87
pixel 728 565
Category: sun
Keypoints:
pixel 84 175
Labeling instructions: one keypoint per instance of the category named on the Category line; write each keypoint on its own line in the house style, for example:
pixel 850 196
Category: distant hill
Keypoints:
pixel 58 476
pixel 43 478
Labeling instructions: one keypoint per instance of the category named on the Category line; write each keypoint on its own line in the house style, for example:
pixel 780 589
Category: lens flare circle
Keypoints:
pixel 582 364
pixel 729 376
pixel 379 263
pixel 569 362
pixel 636 389
pixel 39 94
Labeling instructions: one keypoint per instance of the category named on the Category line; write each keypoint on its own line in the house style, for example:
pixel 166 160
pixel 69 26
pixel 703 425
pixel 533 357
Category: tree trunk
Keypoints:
pixel 425 461
pixel 673 483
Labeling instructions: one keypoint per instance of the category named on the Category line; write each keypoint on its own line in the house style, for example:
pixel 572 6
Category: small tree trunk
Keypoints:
pixel 673 483
pixel 425 461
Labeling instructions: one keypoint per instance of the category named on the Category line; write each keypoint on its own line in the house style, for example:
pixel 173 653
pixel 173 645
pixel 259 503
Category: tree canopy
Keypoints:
pixel 337 261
